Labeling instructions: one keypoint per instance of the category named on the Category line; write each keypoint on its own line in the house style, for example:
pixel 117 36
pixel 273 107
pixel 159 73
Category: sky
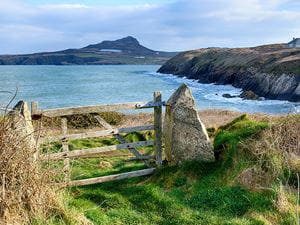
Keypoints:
pixel 28 26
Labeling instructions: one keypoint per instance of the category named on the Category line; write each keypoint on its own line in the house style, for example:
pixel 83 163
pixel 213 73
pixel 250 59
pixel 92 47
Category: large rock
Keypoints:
pixel 185 135
pixel 249 95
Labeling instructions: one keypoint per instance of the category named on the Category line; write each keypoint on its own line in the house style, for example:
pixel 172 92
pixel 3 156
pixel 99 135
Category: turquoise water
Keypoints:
pixel 62 86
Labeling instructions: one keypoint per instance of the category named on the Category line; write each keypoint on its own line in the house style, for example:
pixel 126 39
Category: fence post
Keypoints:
pixel 34 108
pixel 65 147
pixel 34 111
pixel 158 128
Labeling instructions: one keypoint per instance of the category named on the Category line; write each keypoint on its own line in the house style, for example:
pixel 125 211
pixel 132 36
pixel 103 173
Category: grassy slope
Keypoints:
pixel 193 193
pixel 275 59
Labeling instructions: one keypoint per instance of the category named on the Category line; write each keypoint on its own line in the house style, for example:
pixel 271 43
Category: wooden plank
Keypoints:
pixel 120 138
pixel 103 122
pixel 158 129
pixel 93 151
pixel 101 133
pixel 110 177
pixel 65 147
pixel 133 150
pixel 89 109
pixel 98 108
pixel 150 105
pixel 142 157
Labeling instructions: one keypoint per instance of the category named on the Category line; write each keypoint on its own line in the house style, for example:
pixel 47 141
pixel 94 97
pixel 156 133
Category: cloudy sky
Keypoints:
pixel 28 26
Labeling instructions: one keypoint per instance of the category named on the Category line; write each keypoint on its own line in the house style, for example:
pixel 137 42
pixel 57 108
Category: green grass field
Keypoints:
pixel 192 193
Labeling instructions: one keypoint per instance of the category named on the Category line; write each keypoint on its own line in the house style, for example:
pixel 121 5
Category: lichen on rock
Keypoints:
pixel 185 135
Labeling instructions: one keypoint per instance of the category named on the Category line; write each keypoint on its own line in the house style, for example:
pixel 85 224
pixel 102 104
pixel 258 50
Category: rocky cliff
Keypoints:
pixel 122 51
pixel 271 71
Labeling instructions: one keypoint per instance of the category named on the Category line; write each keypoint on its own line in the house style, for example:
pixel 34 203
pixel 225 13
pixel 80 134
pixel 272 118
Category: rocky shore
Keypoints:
pixel 270 71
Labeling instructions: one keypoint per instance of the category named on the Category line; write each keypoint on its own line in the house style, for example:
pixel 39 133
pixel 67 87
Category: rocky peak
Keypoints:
pixel 122 44
pixel 129 40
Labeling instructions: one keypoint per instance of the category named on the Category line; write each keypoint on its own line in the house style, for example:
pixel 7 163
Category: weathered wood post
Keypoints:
pixel 158 128
pixel 22 123
pixel 34 108
pixel 34 111
pixel 65 147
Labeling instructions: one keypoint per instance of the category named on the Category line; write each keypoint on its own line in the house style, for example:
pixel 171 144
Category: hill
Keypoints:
pixel 123 51
pixel 271 71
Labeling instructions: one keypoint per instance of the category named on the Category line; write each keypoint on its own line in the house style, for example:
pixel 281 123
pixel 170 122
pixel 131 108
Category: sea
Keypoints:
pixel 82 85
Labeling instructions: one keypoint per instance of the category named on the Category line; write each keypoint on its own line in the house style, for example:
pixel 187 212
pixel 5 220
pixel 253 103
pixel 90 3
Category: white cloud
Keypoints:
pixel 175 26
pixel 64 6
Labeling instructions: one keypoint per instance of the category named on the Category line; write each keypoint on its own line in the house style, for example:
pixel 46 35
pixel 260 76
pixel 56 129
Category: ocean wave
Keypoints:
pixel 211 96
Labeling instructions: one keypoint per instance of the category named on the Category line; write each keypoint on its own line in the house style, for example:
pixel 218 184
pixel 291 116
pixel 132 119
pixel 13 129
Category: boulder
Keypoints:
pixel 249 95
pixel 185 135
pixel 226 95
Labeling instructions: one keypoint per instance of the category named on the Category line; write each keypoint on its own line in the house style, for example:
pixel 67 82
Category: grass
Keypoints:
pixel 102 165
pixel 192 193
pixel 175 200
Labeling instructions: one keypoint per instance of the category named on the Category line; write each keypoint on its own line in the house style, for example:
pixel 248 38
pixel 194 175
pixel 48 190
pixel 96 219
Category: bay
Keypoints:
pixel 65 86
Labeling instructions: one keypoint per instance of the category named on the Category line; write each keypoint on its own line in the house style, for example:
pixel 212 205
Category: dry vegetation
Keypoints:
pixel 24 190
pixel 277 154
pixel 27 195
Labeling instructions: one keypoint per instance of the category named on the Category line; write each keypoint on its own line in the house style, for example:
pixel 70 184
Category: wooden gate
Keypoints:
pixel 65 137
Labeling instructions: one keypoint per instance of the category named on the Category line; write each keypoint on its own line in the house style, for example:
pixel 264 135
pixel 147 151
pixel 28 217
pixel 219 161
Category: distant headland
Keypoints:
pixel 270 71
pixel 127 50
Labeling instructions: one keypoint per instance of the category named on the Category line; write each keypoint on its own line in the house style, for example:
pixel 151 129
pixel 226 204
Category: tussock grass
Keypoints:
pixel 278 150
pixel 266 161
pixel 24 190
pixel 27 194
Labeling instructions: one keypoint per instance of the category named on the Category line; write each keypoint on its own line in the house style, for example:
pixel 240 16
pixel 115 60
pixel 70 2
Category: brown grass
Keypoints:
pixel 27 194
pixel 24 189
pixel 276 152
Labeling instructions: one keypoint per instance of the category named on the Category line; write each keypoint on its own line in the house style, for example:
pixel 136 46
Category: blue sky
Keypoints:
pixel 97 2
pixel 28 26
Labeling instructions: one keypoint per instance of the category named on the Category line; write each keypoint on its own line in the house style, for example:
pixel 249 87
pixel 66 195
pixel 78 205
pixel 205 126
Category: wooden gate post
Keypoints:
pixel 34 108
pixel 22 124
pixel 34 111
pixel 158 128
pixel 65 146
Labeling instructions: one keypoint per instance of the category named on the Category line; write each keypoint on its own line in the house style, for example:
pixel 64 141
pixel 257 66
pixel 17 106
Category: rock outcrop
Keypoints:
pixel 271 71
pixel 249 95
pixel 185 135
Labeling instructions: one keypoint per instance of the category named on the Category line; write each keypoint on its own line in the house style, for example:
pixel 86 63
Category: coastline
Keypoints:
pixel 268 71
